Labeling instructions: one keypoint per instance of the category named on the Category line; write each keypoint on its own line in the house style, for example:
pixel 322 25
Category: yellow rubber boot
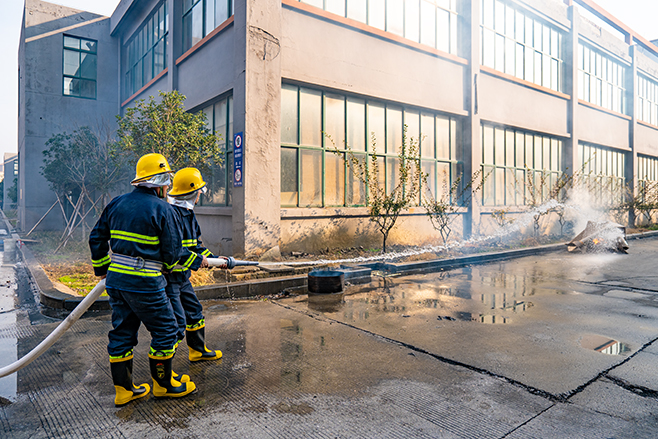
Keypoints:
pixel 197 346
pixel 164 384
pixel 126 391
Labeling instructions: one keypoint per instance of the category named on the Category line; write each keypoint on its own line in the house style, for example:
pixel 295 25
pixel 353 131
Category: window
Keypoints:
pixel 647 103
pixel 79 67
pixel 219 117
pixel 200 17
pixel 313 175
pixel 603 172
pixel 145 54
pixel 429 22
pixel 647 176
pixel 515 162
pixel 520 45
pixel 601 79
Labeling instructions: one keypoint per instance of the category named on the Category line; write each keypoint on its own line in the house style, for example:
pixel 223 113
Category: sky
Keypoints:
pixel 639 15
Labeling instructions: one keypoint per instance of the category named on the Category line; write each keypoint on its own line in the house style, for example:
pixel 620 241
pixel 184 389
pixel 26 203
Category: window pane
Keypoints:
pixel 509 148
pixel 310 116
pixel 220 122
pixel 356 191
pixel 88 45
pixel 210 16
pixel 377 14
pixel 427 135
pixel 412 121
pixel 412 20
pixel 356 10
pixel 488 145
pixel 394 16
pixel 356 128
pixel 488 49
pixel 310 178
pixel 88 67
pixel 334 179
pixel 71 63
pixel 158 61
pixel 454 132
pixel 499 147
pixel 221 12
pixel 442 138
pixel 334 121
pixel 520 146
pixel 443 30
pixel 429 168
pixel 197 23
pixel 392 173
pixel 499 175
pixel 68 86
pixel 393 130
pixel 148 66
pixel 376 127
pixel 289 114
pixel 289 176
pixel 73 43
pixel 335 6
pixel 428 23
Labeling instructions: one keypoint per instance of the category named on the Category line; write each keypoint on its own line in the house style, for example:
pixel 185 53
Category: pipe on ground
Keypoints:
pixel 57 333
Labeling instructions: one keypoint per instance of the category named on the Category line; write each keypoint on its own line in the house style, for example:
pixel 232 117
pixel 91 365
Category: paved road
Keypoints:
pixel 552 346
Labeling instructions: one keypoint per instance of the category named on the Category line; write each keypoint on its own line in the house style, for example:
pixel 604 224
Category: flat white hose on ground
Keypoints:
pixel 57 333
pixel 79 310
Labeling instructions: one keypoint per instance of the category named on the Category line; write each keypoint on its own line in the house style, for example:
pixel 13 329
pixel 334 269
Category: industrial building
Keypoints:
pixel 514 88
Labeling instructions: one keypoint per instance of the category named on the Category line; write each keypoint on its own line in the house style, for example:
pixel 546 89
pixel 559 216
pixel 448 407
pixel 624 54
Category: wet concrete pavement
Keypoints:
pixel 553 346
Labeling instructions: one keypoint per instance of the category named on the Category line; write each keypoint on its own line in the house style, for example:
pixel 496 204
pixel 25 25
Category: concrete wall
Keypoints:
pixel 315 230
pixel 602 128
pixel 512 104
pixel 46 110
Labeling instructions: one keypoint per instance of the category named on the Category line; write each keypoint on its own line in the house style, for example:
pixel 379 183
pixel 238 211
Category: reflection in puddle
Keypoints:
pixel 325 302
pixel 604 345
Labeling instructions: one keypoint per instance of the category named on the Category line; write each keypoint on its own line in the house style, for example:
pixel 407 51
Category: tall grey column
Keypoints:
pixel 631 106
pixel 472 137
pixel 571 88
pixel 257 114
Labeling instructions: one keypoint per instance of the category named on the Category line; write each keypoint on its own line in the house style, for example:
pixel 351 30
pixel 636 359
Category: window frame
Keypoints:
pixel 388 156
pixel 79 52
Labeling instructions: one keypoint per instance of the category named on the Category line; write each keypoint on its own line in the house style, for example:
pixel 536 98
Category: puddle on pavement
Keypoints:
pixel 604 345
pixel 470 294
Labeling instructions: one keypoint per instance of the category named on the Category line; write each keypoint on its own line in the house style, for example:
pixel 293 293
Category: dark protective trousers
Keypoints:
pixel 187 308
pixel 130 309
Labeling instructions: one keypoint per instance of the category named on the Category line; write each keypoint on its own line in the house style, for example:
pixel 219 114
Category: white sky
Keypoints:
pixel 639 15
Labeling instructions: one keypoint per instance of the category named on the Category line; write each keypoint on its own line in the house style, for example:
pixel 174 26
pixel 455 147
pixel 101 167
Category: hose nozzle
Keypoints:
pixel 228 262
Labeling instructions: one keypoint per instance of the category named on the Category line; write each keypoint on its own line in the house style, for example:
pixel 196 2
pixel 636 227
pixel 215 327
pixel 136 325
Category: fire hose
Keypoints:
pixel 223 262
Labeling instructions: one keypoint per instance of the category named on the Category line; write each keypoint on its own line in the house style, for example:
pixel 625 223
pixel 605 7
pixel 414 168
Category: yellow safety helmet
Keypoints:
pixel 150 165
pixel 186 181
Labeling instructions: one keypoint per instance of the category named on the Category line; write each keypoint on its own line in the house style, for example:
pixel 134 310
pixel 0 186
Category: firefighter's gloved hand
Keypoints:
pixel 204 262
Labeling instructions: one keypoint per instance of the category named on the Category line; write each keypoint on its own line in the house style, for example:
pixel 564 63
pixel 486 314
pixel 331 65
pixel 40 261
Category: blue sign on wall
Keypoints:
pixel 237 159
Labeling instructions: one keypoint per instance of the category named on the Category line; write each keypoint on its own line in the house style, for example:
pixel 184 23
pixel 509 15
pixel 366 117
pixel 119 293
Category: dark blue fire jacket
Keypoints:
pixel 191 234
pixel 144 228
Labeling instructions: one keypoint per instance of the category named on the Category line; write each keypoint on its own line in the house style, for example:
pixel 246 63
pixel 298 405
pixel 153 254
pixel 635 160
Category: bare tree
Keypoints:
pixel 385 206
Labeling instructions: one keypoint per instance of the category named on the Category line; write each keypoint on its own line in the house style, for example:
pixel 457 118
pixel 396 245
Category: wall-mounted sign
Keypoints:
pixel 237 159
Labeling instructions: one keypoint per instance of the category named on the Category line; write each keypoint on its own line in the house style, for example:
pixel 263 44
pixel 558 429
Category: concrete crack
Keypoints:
pixel 528 421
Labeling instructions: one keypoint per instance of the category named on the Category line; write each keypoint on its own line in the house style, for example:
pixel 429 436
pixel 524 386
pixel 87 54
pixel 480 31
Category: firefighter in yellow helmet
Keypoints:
pixel 141 230
pixel 187 187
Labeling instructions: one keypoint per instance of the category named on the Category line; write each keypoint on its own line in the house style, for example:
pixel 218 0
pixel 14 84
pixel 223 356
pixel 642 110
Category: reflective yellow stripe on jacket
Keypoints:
pixel 100 262
pixel 189 242
pixel 134 237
